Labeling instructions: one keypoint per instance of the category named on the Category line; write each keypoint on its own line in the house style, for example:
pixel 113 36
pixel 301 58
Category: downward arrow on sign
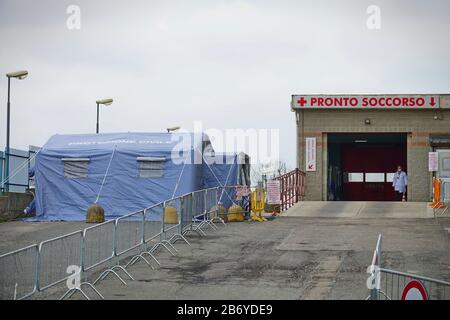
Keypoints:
pixel 432 103
pixel 310 166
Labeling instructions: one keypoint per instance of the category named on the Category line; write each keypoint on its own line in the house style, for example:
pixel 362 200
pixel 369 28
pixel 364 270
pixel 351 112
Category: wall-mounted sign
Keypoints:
pixel 273 192
pixel 310 156
pixel 365 101
pixel 433 163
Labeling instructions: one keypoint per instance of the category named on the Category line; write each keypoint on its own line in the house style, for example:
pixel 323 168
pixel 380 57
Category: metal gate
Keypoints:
pixel 387 284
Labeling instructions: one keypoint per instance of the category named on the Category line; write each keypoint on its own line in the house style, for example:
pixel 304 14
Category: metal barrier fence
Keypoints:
pixel 103 247
pixel 212 212
pixel 55 256
pixel 129 232
pixel 198 210
pixel 205 209
pixel 98 245
pixel 393 283
pixel 230 195
pixel 386 284
pixel 21 282
pixel 292 185
pixel 153 229
pixel 375 275
pixel 171 228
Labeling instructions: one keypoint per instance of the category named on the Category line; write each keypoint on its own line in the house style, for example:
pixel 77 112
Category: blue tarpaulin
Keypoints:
pixel 223 170
pixel 126 172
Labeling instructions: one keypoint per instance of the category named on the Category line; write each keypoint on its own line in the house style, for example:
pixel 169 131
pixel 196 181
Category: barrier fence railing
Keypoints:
pixel 19 273
pixel 292 188
pixel 235 195
pixel 387 284
pixel 98 245
pixel 55 256
pixel 108 248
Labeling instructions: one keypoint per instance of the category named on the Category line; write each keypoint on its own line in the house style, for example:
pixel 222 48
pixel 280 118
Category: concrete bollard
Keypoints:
pixel 95 214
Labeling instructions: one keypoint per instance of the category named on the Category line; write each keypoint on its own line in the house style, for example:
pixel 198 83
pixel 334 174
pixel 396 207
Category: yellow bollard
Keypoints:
pixel 95 214
pixel 235 213
pixel 258 197
pixel 170 215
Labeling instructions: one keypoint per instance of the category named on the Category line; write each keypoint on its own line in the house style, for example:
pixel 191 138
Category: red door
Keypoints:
pixel 368 171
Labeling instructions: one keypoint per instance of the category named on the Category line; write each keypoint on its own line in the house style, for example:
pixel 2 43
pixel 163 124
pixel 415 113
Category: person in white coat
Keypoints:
pixel 400 182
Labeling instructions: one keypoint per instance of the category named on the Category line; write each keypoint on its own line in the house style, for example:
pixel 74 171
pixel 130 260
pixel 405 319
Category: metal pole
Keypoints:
pixel 97 117
pixel 8 116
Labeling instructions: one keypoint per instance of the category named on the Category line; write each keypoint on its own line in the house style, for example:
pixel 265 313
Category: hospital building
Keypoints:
pixel 350 145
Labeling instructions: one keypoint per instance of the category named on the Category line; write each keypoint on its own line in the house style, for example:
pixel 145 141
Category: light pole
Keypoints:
pixel 105 102
pixel 18 75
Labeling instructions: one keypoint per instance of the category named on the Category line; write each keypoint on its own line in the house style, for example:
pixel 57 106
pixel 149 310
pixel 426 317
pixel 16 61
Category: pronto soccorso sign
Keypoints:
pixel 365 101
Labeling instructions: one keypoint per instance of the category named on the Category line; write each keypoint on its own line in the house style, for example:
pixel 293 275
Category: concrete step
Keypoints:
pixel 360 209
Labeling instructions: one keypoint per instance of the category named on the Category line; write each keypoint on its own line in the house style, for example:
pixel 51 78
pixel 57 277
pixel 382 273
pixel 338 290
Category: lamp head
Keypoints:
pixel 105 102
pixel 173 129
pixel 22 74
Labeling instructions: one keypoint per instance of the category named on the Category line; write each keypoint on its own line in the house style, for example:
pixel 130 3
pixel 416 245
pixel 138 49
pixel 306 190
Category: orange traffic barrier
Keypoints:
pixel 437 203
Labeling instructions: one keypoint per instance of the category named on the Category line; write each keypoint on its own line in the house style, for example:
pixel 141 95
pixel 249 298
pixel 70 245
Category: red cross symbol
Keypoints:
pixel 302 101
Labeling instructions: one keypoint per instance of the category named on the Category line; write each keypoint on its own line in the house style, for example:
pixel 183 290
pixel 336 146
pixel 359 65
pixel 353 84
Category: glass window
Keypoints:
pixel 75 168
pixel 151 167
pixel 446 164
pixel 355 177
pixel 375 177
pixel 389 177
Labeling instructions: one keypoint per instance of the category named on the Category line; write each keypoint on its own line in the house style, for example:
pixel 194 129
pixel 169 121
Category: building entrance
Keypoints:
pixel 361 165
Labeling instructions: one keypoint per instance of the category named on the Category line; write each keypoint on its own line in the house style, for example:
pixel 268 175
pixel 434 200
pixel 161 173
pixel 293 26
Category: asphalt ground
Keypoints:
pixel 292 257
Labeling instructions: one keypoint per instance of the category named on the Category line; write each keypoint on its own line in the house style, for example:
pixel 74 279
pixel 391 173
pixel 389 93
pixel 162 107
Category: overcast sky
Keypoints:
pixel 230 64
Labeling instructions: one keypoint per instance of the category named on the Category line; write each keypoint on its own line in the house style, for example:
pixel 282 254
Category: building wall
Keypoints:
pixel 419 124
pixel 12 205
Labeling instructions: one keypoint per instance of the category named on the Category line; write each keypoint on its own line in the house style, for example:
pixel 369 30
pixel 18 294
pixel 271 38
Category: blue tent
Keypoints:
pixel 123 172
pixel 226 169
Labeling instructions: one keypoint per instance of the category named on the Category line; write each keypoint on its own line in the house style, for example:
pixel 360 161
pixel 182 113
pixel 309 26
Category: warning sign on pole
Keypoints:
pixel 433 164
pixel 310 154
pixel 273 192
pixel 414 290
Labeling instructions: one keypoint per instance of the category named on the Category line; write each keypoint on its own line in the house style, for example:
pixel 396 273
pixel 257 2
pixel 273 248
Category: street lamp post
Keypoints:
pixel 18 75
pixel 105 102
